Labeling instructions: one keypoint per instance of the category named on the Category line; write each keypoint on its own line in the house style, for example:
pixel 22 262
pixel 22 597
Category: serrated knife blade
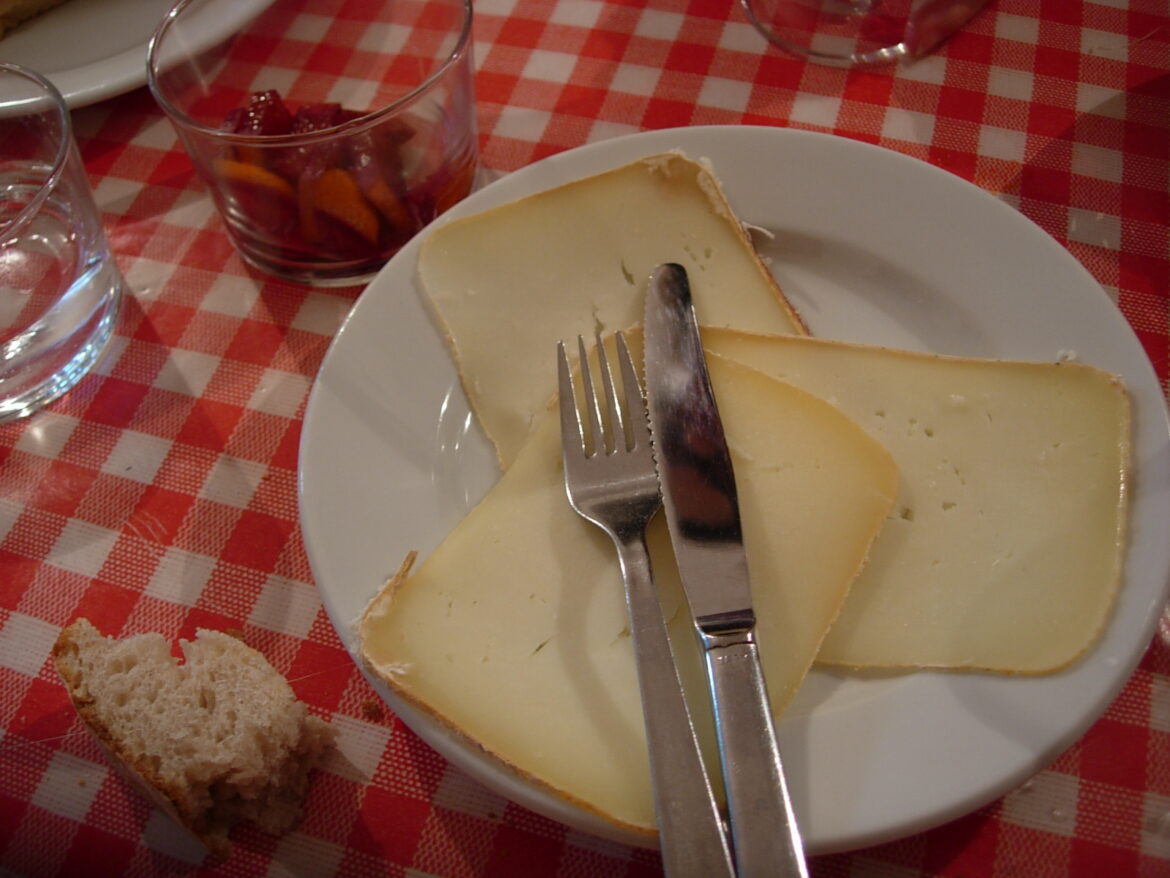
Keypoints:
pixel 702 511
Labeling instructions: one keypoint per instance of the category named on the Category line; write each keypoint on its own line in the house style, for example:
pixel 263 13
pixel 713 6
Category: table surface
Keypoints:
pixel 160 495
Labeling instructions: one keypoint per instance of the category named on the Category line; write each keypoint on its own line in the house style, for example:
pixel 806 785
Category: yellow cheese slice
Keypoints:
pixel 514 631
pixel 507 283
pixel 1004 550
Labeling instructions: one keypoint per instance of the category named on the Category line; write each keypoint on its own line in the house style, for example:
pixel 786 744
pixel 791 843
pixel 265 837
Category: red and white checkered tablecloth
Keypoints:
pixel 161 493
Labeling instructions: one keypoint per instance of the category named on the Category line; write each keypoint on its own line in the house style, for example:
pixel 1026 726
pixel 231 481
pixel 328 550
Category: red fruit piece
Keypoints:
pixel 394 132
pixel 266 115
pixel 382 144
pixel 315 117
pixel 295 161
pixel 306 206
pixel 233 120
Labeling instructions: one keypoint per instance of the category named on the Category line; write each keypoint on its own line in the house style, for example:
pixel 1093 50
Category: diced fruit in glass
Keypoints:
pixel 345 197
pixel 266 116
pixel 455 188
pixel 267 199
pixel 334 213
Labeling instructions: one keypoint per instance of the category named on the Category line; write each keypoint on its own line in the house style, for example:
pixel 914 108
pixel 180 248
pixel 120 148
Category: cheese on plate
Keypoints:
pixel 514 631
pixel 1004 550
pixel 506 284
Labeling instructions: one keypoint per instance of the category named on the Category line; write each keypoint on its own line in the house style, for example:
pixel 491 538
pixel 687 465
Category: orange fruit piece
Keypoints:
pixel 335 194
pixel 267 200
pixel 253 175
pixel 389 205
pixel 251 154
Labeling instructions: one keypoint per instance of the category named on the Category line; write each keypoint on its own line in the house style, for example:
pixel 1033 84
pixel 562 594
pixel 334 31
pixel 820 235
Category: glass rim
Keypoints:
pixel 462 41
pixel 61 110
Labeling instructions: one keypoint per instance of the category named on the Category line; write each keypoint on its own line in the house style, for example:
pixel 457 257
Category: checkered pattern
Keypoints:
pixel 161 494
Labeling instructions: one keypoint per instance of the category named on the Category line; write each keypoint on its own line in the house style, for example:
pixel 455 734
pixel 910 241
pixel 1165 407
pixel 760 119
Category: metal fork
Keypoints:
pixel 611 481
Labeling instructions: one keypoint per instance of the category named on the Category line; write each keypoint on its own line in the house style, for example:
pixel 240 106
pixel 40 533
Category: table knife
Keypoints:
pixel 702 511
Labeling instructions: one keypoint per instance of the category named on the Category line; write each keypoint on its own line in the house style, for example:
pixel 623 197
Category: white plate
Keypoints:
pixel 871 246
pixel 89 49
pixel 96 49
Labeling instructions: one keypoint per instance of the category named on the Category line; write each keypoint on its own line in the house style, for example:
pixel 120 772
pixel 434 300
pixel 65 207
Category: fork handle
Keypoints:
pixel 690 829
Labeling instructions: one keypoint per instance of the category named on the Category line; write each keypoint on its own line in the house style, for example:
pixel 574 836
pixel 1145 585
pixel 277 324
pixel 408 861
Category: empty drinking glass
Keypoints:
pixel 59 285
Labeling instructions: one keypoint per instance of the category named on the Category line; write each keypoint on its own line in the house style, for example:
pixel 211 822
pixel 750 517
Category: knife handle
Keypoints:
pixel 763 827
pixel 690 829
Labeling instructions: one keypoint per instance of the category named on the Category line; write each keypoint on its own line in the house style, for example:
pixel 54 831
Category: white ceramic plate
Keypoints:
pixel 89 49
pixel 871 246
pixel 96 49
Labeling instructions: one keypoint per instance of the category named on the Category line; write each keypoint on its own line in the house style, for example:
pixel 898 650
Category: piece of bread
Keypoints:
pixel 213 740
pixel 13 12
pixel 514 631
pixel 507 283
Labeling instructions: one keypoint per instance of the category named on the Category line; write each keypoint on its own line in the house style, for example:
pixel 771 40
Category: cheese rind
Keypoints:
pixel 575 259
pixel 1004 550
pixel 514 631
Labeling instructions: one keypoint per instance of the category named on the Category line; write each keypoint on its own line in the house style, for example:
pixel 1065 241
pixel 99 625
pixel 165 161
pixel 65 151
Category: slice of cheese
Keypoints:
pixel 506 284
pixel 514 631
pixel 1004 551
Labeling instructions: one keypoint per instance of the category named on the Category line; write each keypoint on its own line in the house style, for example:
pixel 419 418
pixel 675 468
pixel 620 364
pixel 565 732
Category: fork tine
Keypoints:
pixel 613 408
pixel 637 428
pixel 570 417
pixel 593 413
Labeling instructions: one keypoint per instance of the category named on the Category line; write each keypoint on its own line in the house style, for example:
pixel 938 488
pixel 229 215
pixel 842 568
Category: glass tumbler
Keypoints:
pixel 328 131
pixel 59 285
pixel 859 33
